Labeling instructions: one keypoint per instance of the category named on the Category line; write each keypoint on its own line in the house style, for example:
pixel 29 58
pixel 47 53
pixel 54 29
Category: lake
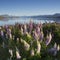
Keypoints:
pixel 22 21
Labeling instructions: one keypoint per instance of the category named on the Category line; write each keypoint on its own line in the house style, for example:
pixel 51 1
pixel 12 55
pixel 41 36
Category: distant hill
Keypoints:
pixel 3 17
pixel 57 15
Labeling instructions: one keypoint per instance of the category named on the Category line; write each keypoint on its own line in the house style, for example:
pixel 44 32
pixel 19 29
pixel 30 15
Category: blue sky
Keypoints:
pixel 29 7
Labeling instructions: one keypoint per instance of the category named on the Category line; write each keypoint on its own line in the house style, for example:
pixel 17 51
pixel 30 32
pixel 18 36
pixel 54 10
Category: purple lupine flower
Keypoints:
pixel 8 31
pixel 35 35
pixel 41 36
pixel 54 49
pixel 31 25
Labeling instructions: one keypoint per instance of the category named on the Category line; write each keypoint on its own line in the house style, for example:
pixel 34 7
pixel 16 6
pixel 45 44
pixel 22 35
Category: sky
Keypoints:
pixel 29 7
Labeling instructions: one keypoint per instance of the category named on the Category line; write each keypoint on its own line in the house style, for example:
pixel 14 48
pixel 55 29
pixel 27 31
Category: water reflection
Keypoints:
pixel 22 21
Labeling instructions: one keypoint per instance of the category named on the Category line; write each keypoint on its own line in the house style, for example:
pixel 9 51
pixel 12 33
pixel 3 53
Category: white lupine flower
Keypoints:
pixel 25 29
pixel 38 47
pixel 2 33
pixel 17 39
pixel 55 45
pixel 32 52
pixel 18 55
pixel 28 35
pixel 11 52
pixel 10 36
pixel 0 28
pixel 58 48
pixel 21 30
pixel 26 45
pixel 48 39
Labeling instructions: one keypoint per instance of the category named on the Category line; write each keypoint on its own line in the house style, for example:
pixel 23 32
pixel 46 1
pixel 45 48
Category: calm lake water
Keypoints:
pixel 22 21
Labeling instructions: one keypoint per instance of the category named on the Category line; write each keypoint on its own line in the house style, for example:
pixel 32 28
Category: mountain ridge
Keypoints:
pixel 6 16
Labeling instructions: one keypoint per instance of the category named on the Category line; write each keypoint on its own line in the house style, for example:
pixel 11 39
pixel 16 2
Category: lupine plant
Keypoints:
pixel 30 42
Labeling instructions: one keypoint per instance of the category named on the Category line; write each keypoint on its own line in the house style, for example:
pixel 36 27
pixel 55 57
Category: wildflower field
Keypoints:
pixel 30 41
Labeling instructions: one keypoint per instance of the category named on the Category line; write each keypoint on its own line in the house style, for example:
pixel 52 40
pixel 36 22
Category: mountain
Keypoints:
pixel 57 15
pixel 54 16
pixel 3 17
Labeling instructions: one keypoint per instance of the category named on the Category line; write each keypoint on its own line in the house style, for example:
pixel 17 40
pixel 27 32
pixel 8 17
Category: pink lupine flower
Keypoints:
pixel 31 25
pixel 40 25
pixel 38 30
